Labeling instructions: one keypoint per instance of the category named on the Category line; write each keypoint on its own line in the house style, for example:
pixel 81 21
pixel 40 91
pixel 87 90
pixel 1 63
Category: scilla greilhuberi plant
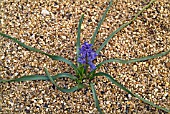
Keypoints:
pixel 85 69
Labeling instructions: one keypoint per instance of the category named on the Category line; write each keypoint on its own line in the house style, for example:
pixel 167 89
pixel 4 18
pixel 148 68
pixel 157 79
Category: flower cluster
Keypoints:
pixel 87 55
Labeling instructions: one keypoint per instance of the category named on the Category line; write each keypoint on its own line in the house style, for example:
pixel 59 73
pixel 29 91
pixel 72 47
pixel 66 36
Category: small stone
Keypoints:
pixel 2 57
pixel 166 94
pixel 129 102
pixel 63 37
pixel 156 90
pixel 135 68
pixel 44 12
pixel 22 40
pixel 40 101
pixel 32 89
pixel 83 26
pixel 168 64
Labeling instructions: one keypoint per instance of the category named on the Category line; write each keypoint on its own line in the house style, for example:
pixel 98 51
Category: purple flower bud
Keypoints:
pixel 87 55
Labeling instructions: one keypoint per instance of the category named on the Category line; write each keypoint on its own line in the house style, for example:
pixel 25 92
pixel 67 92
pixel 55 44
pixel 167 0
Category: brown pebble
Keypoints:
pixel 168 64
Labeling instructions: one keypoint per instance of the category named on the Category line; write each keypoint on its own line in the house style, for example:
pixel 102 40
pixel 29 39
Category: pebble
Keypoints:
pixel 45 12
pixel 135 68
pixel 168 64
pixel 40 101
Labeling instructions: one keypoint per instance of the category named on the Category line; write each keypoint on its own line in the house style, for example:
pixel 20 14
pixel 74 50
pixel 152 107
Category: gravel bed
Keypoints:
pixel 52 27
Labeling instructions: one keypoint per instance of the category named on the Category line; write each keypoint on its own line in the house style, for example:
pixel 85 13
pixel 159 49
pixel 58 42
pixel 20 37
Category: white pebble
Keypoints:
pixel 135 68
pixel 22 40
pixel 40 101
pixel 2 57
pixel 63 37
pixel 44 12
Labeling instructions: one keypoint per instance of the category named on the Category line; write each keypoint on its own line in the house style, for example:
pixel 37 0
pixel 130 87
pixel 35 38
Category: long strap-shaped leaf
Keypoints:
pixel 39 77
pixel 134 60
pixel 121 27
pixel 61 89
pixel 125 89
pixel 78 35
pixel 95 98
pixel 100 23
pixel 54 57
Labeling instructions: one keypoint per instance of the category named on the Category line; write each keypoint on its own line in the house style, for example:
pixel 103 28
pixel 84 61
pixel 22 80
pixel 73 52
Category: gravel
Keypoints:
pixel 52 27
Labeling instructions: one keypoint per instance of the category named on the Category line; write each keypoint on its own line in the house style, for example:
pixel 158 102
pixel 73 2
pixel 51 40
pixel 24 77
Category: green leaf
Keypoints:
pixel 78 35
pixel 59 58
pixel 95 98
pixel 61 89
pixel 121 27
pixel 100 23
pixel 128 91
pixel 54 57
pixel 113 33
pixel 134 60
pixel 22 44
pixel 39 77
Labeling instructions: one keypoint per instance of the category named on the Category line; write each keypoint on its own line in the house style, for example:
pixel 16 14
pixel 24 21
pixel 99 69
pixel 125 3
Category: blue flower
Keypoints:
pixel 87 55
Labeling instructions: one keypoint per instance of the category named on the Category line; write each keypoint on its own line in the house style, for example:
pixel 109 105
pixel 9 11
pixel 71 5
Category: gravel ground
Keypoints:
pixel 52 27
